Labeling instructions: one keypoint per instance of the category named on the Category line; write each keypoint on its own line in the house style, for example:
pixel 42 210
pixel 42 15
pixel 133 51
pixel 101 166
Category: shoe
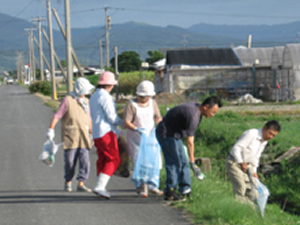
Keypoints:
pixel 142 190
pixel 83 188
pixel 186 193
pixel 102 194
pixel 171 195
pixel 68 187
pixel 156 191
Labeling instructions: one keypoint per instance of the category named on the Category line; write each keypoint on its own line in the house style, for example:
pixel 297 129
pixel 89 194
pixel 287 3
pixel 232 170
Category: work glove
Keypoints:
pixel 197 171
pixel 140 130
pixel 50 134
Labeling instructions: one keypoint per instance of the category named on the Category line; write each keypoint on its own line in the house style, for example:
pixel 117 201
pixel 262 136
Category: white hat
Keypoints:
pixel 145 88
pixel 83 86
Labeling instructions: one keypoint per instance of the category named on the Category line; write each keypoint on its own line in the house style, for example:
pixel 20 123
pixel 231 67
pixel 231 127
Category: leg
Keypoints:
pixel 84 169
pixel 185 176
pixel 237 178
pixel 84 164
pixel 172 161
pixel 70 164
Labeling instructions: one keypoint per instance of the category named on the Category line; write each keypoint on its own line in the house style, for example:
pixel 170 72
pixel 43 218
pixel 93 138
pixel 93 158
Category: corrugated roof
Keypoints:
pixel 277 57
pixel 203 57
pixel 291 56
pixel 249 56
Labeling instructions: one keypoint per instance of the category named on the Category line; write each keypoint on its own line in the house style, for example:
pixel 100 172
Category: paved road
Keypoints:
pixel 32 193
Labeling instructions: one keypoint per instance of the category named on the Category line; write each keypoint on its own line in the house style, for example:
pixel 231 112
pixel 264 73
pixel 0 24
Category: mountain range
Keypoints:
pixel 139 37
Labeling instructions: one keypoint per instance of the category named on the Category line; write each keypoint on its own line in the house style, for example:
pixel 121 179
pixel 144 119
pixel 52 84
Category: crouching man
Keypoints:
pixel 245 155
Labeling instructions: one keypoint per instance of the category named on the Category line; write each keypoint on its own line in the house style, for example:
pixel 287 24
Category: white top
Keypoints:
pixel 104 114
pixel 249 147
pixel 144 116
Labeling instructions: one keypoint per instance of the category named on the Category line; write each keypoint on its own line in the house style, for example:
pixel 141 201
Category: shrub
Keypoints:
pixel 43 87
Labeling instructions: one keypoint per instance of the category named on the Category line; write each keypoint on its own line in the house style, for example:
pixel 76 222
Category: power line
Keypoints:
pixel 17 15
pixel 190 13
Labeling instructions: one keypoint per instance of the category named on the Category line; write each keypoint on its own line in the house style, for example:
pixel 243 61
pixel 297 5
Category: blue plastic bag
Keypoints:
pixel 147 164
pixel 262 197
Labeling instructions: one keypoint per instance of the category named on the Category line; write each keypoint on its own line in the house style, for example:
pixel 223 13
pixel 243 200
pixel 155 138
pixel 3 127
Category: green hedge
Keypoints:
pixel 43 87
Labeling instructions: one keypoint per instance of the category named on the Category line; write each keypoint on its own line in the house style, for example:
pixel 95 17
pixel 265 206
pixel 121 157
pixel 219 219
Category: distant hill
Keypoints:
pixel 139 37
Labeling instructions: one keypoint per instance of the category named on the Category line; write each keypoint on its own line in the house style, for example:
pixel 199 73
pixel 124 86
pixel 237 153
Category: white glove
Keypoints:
pixel 140 130
pixel 50 134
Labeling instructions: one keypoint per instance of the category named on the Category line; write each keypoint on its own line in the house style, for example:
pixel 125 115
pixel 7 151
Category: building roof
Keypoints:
pixel 202 57
pixel 251 56
pixel 277 57
pixel 291 56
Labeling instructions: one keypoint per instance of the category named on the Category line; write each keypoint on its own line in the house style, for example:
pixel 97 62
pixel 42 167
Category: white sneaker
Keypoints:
pixel 156 191
pixel 102 193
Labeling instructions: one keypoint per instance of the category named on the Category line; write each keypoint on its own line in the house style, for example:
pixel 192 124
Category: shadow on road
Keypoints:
pixel 55 196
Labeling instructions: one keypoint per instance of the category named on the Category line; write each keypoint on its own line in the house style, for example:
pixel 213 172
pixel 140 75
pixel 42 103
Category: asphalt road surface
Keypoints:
pixel 32 193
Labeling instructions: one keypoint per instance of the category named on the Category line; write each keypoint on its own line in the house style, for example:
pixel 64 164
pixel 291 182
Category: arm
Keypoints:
pixel 129 114
pixel 110 111
pixel 157 115
pixel 240 146
pixel 190 146
pixel 53 123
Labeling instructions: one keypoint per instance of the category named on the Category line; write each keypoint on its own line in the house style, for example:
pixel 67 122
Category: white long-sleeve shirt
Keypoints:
pixel 104 114
pixel 249 147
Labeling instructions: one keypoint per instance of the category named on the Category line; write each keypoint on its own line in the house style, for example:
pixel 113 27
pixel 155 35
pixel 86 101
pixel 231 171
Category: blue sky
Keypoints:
pixel 87 13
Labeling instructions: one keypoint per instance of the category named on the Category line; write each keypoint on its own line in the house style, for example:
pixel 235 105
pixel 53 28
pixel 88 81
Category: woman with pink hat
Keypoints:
pixel 105 130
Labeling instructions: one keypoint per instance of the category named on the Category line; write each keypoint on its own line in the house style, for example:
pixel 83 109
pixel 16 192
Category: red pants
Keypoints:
pixel 108 154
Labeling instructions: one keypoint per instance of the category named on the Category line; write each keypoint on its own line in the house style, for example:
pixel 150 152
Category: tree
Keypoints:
pixel 63 63
pixel 154 56
pixel 127 61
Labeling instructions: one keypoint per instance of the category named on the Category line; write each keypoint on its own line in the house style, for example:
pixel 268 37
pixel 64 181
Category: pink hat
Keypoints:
pixel 107 78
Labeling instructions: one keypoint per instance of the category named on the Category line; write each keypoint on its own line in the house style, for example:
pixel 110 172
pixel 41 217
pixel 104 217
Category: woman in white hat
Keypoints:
pixel 76 126
pixel 140 115
pixel 105 130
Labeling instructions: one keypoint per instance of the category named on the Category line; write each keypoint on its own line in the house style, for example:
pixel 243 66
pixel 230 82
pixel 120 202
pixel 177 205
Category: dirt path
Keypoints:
pixel 263 108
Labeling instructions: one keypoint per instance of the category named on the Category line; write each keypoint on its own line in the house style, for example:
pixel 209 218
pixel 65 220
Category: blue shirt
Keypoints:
pixel 104 114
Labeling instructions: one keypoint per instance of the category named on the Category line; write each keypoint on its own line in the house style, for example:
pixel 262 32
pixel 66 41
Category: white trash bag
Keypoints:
pixel 260 193
pixel 48 154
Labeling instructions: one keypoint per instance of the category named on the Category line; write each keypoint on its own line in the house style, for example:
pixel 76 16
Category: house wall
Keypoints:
pixel 229 83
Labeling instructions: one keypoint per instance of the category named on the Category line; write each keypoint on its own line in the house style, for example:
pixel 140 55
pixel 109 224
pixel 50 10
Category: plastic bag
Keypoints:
pixel 148 161
pixel 260 192
pixel 48 154
pixel 262 197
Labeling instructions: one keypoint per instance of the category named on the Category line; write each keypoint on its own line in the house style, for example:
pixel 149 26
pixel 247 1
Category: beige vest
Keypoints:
pixel 75 126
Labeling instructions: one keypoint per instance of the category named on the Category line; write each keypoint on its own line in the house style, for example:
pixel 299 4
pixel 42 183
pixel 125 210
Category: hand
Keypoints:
pixel 244 167
pixel 50 134
pixel 140 130
pixel 196 169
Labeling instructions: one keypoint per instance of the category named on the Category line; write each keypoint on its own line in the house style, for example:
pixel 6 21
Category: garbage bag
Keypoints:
pixel 48 154
pixel 262 197
pixel 260 193
pixel 148 161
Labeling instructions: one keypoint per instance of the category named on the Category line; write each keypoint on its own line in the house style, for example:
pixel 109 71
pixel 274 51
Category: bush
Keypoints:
pixel 43 87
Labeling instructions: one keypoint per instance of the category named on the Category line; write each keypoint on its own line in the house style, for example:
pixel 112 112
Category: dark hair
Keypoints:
pixel 273 124
pixel 101 86
pixel 212 101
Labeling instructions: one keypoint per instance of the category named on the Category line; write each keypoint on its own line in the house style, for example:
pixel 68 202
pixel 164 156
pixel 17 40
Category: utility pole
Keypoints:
pixel 39 19
pixel 68 46
pixel 107 28
pixel 55 56
pixel 72 50
pixel 20 67
pixel 116 71
pixel 31 54
pixel 52 70
pixel 100 52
